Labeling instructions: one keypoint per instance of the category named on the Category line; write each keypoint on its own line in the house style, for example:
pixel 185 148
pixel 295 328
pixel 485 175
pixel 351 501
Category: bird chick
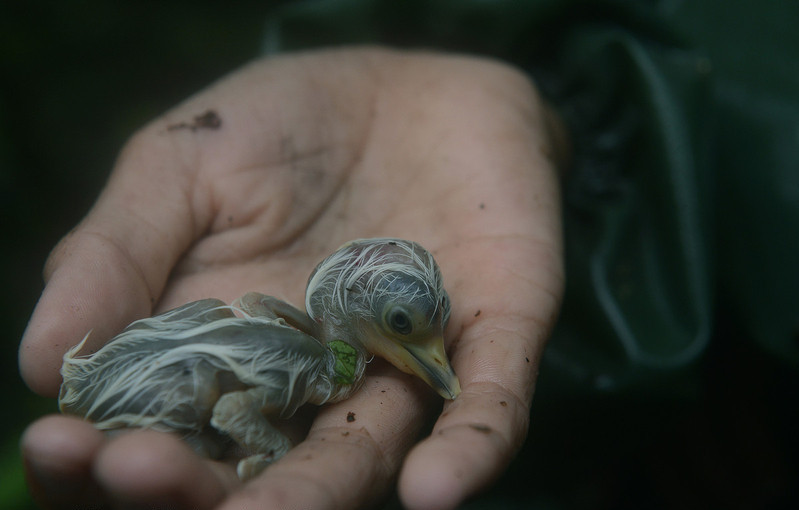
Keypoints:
pixel 213 372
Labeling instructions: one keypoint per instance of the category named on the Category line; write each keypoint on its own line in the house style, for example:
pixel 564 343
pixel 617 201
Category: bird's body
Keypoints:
pixel 210 369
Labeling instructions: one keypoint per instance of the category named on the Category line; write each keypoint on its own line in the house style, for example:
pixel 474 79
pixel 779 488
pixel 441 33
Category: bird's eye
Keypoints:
pixel 399 321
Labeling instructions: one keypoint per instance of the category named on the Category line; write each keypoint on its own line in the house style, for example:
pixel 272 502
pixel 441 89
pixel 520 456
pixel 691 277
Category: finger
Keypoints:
pixel 352 453
pixel 471 445
pixel 496 358
pixel 149 469
pixel 58 452
pixel 334 469
pixel 113 266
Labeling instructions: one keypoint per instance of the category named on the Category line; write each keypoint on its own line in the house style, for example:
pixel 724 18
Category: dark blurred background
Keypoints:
pixel 79 77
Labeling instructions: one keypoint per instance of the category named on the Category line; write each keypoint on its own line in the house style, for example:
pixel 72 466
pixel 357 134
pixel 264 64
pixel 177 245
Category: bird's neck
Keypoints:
pixel 333 329
pixel 346 363
pixel 342 372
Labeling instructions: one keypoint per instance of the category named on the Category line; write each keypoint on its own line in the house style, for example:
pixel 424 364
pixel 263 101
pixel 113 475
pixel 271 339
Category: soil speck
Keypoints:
pixel 207 120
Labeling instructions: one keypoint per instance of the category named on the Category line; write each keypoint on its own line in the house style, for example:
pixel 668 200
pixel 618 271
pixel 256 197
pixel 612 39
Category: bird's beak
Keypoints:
pixel 426 360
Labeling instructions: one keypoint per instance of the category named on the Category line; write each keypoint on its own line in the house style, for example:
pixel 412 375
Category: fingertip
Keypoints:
pixel 134 461
pixel 445 470
pixel 42 346
pixel 58 452
pixel 470 447
pixel 54 439
pixel 428 484
pixel 143 467
pixel 39 367
pixel 95 288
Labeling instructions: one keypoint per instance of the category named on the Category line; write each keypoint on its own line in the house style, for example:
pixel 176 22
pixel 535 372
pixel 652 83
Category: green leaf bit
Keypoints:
pixel 346 357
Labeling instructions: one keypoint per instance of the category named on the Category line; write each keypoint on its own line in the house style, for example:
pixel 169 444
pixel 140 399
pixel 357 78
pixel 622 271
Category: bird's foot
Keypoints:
pixel 249 467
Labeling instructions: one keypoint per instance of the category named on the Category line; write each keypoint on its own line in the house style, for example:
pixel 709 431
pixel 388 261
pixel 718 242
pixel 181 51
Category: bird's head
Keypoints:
pixel 387 297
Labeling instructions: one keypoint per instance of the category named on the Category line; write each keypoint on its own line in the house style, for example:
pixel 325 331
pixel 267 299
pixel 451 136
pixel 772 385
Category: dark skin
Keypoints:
pixel 458 154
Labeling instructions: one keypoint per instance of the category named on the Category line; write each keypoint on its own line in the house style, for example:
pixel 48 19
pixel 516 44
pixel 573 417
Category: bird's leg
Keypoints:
pixel 240 415
pixel 261 305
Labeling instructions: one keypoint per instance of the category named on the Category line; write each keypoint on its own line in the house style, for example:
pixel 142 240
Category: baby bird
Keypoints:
pixel 213 372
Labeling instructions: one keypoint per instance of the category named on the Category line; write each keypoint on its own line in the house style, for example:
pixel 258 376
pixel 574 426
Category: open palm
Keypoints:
pixel 312 150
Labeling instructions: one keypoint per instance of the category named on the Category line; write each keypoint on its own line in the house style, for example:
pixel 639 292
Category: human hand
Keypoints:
pixel 313 150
